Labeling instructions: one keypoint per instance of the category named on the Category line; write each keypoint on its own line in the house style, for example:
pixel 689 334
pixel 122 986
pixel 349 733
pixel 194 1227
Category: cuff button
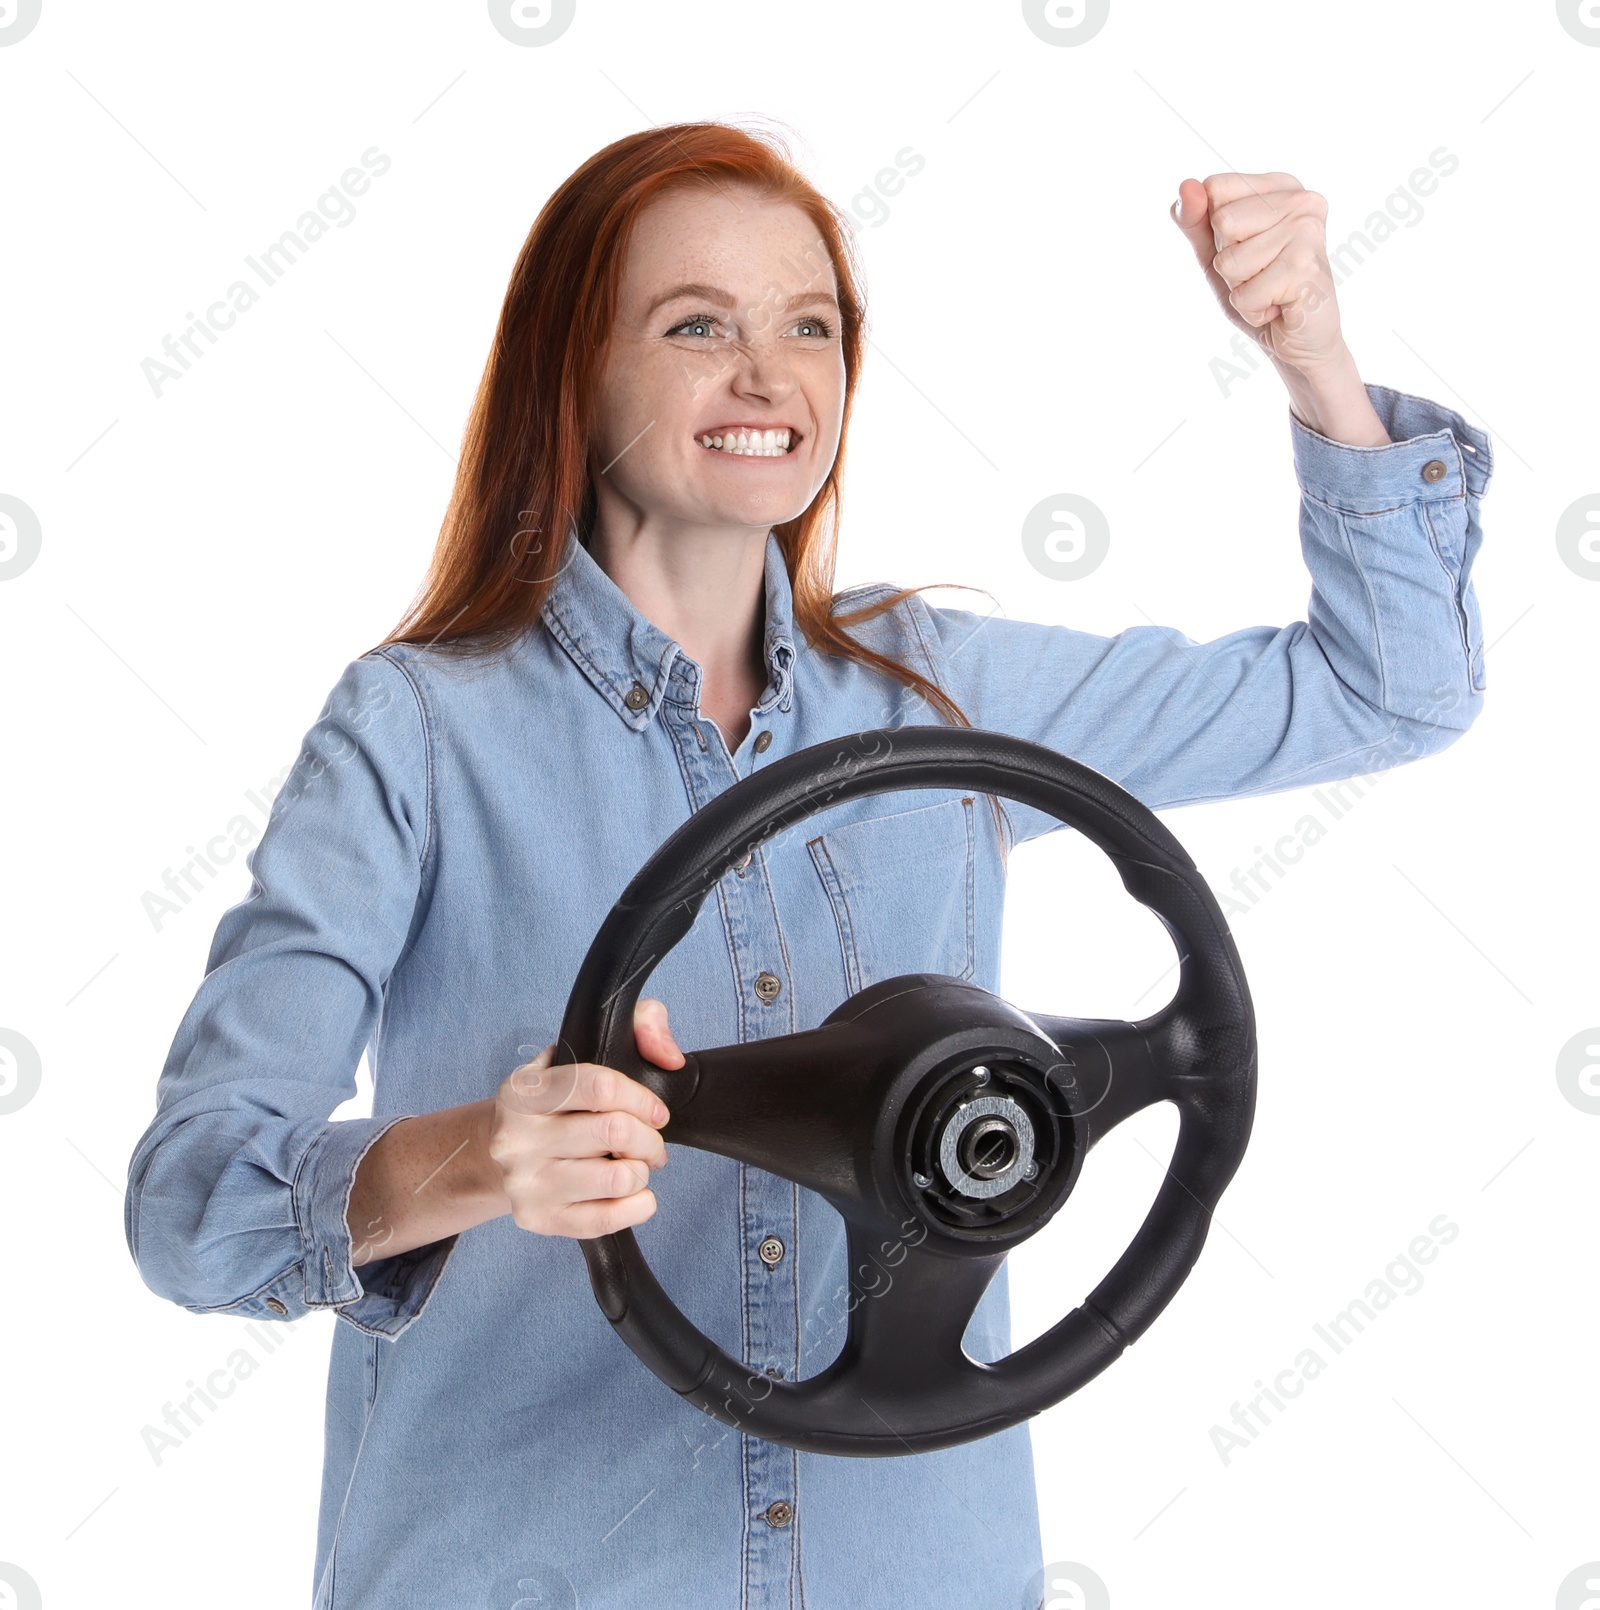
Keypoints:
pixel 1434 470
pixel 276 1306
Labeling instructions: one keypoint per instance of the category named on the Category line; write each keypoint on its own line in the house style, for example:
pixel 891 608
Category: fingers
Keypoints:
pixel 582 1132
pixel 567 1181
pixel 1272 270
pixel 539 1088
pixel 585 1220
pixel 583 1197
pixel 594 1134
pixel 1250 202
pixel 1243 216
pixel 576 1143
pixel 1298 236
pixel 1223 189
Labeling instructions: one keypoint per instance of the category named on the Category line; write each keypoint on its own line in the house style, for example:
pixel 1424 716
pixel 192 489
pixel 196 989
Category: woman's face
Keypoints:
pixel 754 343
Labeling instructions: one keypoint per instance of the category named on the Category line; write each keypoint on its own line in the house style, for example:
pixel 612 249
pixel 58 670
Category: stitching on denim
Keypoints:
pixel 841 911
pixel 927 653
pixel 684 756
pixel 1372 610
pixel 794 1534
pixel 972 857
pixel 783 941
pixel 795 1287
pixel 344 1505
pixel 344 1207
pixel 302 1220
pixel 742 1018
pixel 1454 577
pixel 745 1338
pixel 564 634
pixel 840 900
pixel 1390 508
pixel 922 609
pixel 239 1304
pixel 747 1541
pixel 427 753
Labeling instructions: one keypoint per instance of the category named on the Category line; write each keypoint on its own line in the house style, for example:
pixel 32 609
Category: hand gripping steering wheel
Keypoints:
pixel 944 1125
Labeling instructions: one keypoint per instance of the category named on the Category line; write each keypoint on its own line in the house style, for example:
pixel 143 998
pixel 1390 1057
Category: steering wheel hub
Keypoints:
pixel 989 1142
pixel 986 1146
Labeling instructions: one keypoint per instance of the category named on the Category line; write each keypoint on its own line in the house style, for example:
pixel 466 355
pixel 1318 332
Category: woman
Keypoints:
pixel 629 609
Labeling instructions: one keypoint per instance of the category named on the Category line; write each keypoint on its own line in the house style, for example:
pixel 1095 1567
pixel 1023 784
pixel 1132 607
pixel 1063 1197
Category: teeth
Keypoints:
pixel 750 443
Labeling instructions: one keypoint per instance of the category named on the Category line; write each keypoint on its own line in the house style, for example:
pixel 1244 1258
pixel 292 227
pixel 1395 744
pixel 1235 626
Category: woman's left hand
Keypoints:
pixel 1261 241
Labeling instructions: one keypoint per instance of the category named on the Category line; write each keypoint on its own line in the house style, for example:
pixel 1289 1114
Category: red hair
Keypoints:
pixel 524 460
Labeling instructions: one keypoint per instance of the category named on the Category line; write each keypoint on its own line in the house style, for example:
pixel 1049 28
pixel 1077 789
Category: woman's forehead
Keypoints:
pixel 739 243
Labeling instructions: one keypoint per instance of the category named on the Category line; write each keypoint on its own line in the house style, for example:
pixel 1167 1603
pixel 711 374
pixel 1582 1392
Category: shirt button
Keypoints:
pixel 637 697
pixel 1434 470
pixel 779 1513
pixel 774 1372
pixel 743 864
pixel 767 986
pixel 763 742
pixel 276 1306
pixel 771 1250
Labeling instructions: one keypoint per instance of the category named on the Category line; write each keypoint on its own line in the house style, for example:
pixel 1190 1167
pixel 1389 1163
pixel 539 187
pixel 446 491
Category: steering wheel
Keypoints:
pixel 943 1124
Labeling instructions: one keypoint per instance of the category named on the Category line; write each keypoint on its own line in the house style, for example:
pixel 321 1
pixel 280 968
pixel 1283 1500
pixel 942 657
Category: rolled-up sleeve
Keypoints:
pixel 238 1190
pixel 1386 667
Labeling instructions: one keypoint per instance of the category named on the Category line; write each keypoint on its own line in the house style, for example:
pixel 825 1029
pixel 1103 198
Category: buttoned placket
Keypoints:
pixel 768 1205
pixel 647 678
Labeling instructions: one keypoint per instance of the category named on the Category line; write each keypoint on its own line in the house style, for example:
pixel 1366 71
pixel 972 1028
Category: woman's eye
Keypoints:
pixel 818 329
pixel 700 321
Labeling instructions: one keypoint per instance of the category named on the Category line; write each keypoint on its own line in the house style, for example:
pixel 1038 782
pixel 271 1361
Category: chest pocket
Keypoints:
pixel 902 888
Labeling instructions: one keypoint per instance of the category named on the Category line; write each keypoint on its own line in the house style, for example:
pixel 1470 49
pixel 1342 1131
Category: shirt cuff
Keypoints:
pixel 1422 433
pixel 1372 516
pixel 389 1293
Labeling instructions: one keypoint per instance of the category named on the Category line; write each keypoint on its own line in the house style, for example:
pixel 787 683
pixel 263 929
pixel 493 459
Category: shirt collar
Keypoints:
pixel 630 660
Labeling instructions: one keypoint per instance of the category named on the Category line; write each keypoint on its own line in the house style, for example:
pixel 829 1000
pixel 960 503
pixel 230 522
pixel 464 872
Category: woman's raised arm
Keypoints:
pixel 1386 667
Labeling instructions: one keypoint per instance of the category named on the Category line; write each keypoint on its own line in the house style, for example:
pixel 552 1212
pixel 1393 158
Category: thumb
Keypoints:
pixel 1191 212
pixel 653 1035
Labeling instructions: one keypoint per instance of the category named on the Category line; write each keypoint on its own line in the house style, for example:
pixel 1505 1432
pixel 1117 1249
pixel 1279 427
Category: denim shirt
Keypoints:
pixel 434 869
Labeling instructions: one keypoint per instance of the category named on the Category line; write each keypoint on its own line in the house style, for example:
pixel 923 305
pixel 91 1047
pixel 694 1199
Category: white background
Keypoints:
pixel 212 558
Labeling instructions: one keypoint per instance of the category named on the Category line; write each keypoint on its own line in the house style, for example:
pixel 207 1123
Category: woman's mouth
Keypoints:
pixel 738 442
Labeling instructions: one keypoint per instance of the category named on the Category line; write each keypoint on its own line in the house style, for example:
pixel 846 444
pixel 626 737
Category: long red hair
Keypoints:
pixel 523 472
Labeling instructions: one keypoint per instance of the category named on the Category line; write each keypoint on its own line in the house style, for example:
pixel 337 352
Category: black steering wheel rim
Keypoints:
pixel 902 1359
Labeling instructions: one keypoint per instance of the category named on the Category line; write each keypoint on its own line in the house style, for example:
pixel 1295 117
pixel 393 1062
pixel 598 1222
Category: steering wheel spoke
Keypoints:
pixel 910 1306
pixel 1109 1069
pixel 901 1369
pixel 798 1105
